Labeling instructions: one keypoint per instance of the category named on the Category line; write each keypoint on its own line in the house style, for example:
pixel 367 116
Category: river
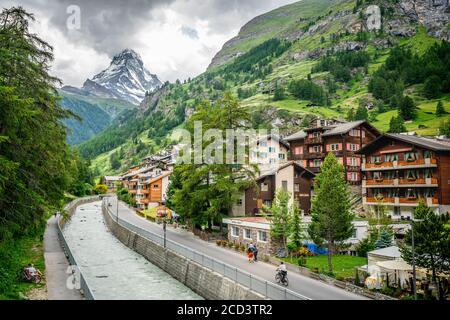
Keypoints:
pixel 112 270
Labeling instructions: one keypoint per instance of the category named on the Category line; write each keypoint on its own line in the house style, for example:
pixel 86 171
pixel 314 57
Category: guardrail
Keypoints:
pixel 268 289
pixel 69 207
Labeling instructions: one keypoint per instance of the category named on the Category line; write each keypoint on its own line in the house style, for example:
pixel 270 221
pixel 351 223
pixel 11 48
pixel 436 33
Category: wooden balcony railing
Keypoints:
pixel 379 181
pixel 383 200
pixel 379 165
pixel 412 181
pixel 314 140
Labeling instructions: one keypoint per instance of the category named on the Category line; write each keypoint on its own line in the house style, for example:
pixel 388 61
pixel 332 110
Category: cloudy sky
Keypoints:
pixel 176 38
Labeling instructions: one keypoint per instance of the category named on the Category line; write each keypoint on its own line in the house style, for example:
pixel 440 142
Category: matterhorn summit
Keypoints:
pixel 126 78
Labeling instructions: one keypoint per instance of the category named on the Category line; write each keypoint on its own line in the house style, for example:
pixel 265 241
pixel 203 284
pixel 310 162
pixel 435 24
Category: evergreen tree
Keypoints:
pixel 444 128
pixel 407 108
pixel 351 115
pixel 385 240
pixel 432 87
pixel 361 113
pixel 296 232
pixel 35 160
pixel 431 243
pixel 278 93
pixel 331 216
pixel 280 227
pixel 397 125
pixel 440 111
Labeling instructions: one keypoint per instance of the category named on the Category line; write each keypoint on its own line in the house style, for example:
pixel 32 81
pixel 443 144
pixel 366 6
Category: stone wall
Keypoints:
pixel 203 281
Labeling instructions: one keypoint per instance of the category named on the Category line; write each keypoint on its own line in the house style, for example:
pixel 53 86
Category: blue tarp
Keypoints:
pixel 315 249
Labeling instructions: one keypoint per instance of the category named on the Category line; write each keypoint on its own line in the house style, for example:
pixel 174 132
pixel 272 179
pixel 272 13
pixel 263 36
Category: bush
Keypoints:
pixel 219 242
pixel 230 245
pixel 301 261
pixel 243 248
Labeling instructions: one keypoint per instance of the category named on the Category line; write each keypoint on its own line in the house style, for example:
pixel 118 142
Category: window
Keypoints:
pixel 263 155
pixel 155 186
pixel 272 149
pixel 377 175
pixel 391 157
pixel 376 159
pixel 334 147
pixel 316 134
pixel 268 203
pixel 239 202
pixel 297 187
pixel 353 161
pixel 247 234
pixel 354 233
pixel 281 156
pixel 352 147
pixel 298 150
pixel 317 163
pixel 235 231
pixel 427 173
pixel 284 185
pixel 427 154
pixel 264 187
pixel 352 176
pixel 272 160
pixel 263 143
pixel 354 133
pixel 262 236
pixel 396 211
pixel 411 156
pixel 317 149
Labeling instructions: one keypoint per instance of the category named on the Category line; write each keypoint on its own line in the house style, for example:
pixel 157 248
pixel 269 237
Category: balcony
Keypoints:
pixel 402 201
pixel 352 168
pixel 420 163
pixel 402 182
pixel 314 140
pixel 143 191
pixel 315 155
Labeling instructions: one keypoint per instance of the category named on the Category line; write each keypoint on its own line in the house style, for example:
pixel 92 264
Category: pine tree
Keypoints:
pixel 280 227
pixel 385 240
pixel 361 113
pixel 440 111
pixel 331 216
pixel 431 243
pixel 407 108
pixel 296 232
pixel 351 115
pixel 397 125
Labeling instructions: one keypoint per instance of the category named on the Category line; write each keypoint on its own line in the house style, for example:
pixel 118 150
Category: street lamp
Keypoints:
pixel 164 228
pixel 414 256
pixel 117 208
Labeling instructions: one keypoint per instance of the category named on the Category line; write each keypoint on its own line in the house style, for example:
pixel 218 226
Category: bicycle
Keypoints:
pixel 280 279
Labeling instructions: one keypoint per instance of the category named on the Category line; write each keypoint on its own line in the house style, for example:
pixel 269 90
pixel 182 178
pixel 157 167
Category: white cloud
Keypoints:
pixel 156 29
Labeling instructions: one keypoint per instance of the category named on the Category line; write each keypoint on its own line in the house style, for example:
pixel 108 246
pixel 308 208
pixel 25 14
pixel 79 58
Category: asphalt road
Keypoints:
pixel 313 289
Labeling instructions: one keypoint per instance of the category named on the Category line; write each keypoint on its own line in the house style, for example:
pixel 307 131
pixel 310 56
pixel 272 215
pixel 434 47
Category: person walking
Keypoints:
pixel 255 253
pixel 250 255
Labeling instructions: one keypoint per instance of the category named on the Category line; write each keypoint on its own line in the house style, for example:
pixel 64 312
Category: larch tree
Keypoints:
pixel 330 212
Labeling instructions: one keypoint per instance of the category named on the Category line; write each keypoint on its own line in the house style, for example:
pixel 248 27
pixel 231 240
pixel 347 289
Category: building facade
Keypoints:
pixel 401 170
pixel 310 146
pixel 289 176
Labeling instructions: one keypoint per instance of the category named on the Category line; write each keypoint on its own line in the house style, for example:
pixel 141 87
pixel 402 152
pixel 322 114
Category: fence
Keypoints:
pixel 268 289
pixel 69 208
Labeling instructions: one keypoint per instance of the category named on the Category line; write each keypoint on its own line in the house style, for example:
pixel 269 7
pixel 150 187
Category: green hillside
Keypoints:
pixel 314 58
pixel 95 114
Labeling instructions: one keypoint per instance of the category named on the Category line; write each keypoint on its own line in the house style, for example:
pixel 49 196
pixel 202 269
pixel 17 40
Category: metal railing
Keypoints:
pixel 83 284
pixel 266 288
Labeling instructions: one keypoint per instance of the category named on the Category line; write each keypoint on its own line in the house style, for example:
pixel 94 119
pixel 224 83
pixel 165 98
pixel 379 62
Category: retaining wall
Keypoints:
pixel 203 281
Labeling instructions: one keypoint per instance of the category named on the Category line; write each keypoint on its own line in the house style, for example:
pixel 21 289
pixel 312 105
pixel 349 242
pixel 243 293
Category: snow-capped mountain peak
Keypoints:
pixel 126 78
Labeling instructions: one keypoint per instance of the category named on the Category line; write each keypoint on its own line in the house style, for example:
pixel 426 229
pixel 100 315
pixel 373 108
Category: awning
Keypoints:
pixel 400 265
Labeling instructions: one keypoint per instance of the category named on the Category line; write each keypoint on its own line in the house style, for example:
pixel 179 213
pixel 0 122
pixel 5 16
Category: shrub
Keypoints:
pixel 230 244
pixel 219 242
pixel 243 248
pixel 236 247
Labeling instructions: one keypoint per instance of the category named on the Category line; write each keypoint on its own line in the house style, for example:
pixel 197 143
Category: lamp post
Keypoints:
pixel 117 208
pixel 414 257
pixel 164 228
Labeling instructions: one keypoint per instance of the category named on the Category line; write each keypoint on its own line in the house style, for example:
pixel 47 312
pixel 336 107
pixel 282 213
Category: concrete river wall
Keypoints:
pixel 109 269
pixel 205 282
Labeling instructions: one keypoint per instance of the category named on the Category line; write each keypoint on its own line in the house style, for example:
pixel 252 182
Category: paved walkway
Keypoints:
pixel 56 266
pixel 308 287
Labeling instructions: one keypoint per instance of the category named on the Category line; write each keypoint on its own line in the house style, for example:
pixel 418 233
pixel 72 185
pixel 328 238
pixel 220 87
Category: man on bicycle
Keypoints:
pixel 282 270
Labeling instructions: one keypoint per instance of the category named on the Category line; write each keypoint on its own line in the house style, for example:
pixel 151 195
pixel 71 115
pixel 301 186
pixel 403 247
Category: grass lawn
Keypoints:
pixel 343 265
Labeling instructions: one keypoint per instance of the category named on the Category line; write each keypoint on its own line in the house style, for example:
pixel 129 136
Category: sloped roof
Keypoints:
pixel 432 143
pixel 391 252
pixel 274 137
pixel 343 128
pixel 296 136
pixel 282 166
pixel 424 142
